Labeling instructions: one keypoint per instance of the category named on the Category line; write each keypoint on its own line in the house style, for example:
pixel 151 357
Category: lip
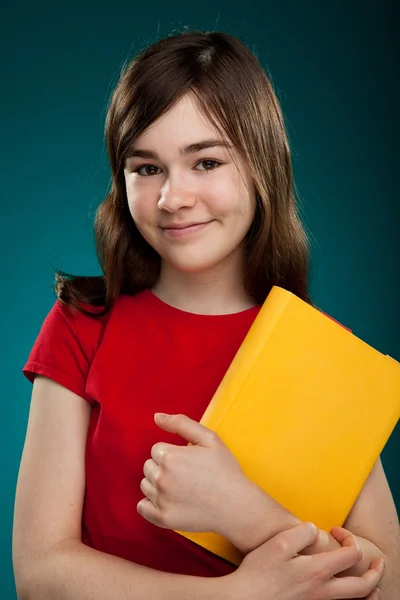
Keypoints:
pixel 184 229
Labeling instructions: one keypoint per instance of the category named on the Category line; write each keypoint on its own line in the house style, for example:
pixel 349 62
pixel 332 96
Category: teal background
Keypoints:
pixel 333 66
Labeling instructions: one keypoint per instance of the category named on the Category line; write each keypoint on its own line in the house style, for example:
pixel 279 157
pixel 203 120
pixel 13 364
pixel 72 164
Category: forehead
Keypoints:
pixel 183 123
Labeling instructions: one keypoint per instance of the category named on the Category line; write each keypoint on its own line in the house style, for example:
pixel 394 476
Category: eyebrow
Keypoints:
pixel 191 149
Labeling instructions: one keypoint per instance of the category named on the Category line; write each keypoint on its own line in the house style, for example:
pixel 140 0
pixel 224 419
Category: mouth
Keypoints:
pixel 181 230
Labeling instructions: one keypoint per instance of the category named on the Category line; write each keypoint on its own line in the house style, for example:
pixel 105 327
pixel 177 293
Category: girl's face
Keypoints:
pixel 186 195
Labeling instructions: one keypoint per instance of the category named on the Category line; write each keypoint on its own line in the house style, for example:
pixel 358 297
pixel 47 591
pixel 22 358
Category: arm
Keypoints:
pixel 252 528
pixel 175 499
pixel 73 571
pixel 201 487
pixel 374 521
pixel 49 558
pixel 50 562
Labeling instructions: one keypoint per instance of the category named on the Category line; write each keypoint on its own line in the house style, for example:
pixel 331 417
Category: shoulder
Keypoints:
pixel 86 324
pixel 67 344
pixel 86 317
pixel 69 330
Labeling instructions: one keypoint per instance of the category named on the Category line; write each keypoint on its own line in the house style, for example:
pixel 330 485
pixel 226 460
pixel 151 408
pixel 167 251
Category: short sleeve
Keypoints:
pixel 65 348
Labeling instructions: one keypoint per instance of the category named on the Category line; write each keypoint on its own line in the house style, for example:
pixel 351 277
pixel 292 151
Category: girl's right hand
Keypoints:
pixel 275 571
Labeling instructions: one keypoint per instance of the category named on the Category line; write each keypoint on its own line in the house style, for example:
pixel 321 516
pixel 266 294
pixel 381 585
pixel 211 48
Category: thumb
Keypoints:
pixel 190 430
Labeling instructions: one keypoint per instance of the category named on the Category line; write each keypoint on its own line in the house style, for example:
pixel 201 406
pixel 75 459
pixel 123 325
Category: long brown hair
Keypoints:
pixel 235 94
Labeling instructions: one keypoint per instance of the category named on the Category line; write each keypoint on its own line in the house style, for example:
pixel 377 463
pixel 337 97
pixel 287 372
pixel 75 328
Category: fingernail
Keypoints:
pixel 161 417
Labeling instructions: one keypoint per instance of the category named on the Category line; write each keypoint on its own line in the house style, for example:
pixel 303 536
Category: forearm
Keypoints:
pixel 76 572
pixel 263 519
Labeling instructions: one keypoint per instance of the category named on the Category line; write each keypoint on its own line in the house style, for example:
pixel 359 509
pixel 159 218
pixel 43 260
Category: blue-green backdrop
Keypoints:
pixel 333 67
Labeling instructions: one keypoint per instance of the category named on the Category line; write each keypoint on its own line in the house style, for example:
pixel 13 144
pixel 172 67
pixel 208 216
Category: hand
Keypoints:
pixel 276 571
pixel 195 487
pixel 345 538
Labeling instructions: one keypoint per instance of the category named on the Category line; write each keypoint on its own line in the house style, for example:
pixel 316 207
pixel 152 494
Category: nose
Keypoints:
pixel 174 195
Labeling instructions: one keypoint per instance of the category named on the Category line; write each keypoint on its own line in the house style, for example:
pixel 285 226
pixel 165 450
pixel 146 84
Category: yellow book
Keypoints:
pixel 306 407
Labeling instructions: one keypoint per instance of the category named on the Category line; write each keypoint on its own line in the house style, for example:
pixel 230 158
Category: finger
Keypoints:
pixel 356 587
pixel 152 471
pixel 161 451
pixel 336 561
pixel 343 536
pixel 292 541
pixel 149 491
pixel 149 512
pixel 378 564
pixel 190 430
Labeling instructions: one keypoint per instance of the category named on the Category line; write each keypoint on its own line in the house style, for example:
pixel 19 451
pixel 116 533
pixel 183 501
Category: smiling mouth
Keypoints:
pixel 184 225
pixel 183 230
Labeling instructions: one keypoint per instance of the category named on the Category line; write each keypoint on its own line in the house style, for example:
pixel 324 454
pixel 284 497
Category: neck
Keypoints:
pixel 211 293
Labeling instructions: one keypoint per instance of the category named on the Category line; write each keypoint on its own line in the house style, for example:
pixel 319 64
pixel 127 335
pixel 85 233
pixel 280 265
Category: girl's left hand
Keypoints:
pixel 195 487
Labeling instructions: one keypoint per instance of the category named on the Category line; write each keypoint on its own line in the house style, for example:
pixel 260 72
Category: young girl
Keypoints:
pixel 199 224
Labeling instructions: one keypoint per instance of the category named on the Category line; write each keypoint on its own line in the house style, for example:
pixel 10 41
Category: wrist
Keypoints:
pixel 224 587
pixel 255 518
pixel 228 587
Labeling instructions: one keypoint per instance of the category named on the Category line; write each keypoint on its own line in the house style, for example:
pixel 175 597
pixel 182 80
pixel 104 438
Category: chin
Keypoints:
pixel 193 264
pixel 199 260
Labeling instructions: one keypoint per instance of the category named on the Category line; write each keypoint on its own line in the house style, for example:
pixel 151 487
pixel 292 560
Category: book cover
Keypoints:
pixel 306 407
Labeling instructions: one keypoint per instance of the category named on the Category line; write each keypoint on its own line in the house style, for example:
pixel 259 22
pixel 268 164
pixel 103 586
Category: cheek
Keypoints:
pixel 140 206
pixel 232 199
pixel 246 200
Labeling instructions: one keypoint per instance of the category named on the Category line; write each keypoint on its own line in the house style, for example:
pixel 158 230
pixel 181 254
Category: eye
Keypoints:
pixel 216 164
pixel 149 170
pixel 146 168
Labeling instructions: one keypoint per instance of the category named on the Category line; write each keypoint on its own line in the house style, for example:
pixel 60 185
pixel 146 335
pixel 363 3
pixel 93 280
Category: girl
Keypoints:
pixel 200 222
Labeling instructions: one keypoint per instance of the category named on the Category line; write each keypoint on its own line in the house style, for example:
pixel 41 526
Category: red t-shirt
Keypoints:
pixel 143 357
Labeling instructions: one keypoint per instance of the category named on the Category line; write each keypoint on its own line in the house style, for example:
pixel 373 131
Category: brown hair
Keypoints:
pixel 237 97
